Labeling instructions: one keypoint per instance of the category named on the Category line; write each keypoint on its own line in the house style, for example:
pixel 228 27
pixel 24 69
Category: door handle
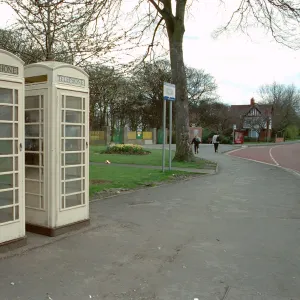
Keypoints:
pixel 21 147
pixel 86 144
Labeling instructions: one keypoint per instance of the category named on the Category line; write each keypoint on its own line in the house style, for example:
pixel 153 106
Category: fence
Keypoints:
pixel 122 136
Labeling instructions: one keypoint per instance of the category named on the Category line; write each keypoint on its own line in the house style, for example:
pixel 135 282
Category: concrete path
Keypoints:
pixel 233 236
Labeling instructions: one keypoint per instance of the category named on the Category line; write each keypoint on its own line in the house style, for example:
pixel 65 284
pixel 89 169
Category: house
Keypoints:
pixel 254 120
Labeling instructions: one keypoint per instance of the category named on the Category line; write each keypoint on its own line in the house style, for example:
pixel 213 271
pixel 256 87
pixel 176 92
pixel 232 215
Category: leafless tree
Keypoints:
pixel 201 86
pixel 257 123
pixel 285 100
pixel 69 30
pixel 20 44
pixel 280 17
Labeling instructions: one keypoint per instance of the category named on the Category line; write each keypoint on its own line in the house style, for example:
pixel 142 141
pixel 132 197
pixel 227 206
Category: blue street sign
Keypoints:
pixel 169 91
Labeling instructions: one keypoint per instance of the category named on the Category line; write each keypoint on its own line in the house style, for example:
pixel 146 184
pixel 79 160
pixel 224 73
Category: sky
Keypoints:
pixel 240 64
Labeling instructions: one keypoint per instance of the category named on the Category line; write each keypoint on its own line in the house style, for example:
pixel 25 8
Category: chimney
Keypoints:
pixel 252 102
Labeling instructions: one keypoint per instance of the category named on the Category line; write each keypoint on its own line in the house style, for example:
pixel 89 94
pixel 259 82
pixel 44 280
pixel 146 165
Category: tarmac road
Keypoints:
pixel 285 156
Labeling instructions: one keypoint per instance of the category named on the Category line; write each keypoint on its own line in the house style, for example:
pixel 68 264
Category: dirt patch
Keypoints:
pixel 99 181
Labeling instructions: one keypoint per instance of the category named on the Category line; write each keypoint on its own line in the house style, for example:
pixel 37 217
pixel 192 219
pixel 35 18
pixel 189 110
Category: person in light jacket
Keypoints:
pixel 216 142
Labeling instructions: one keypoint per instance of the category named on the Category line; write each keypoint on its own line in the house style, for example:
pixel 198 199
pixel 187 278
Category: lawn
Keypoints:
pixel 104 177
pixel 152 159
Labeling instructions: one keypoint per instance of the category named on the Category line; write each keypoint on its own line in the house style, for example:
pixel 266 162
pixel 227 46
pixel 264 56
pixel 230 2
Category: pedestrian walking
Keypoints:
pixel 196 141
pixel 216 141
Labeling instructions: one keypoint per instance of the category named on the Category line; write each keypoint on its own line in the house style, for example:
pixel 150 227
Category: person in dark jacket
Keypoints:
pixel 196 141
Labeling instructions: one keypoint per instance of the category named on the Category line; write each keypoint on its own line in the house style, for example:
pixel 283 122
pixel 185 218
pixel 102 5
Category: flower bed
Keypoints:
pixel 128 149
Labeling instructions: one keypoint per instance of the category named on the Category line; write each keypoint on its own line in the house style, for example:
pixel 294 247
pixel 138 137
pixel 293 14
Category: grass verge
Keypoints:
pixel 152 159
pixel 105 177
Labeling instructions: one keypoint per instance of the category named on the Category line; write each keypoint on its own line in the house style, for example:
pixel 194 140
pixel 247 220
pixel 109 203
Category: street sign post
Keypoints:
pixel 169 95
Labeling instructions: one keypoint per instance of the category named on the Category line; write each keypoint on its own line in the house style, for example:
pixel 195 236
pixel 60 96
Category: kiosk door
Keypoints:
pixel 12 223
pixel 74 147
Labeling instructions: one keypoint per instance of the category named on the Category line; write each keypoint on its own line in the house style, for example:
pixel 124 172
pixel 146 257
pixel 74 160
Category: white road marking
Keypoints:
pixel 272 157
pixel 265 163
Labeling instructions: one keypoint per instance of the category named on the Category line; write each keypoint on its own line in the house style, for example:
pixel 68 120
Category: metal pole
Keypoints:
pixel 170 137
pixel 164 135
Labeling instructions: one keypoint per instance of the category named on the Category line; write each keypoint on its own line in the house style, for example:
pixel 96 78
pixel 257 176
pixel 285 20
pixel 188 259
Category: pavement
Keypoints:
pixel 234 235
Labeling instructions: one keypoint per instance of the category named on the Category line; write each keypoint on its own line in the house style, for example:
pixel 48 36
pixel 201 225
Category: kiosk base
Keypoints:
pixel 52 232
pixel 13 244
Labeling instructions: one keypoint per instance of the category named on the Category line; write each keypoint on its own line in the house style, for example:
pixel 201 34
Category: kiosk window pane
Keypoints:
pixel 73 173
pixel 6 198
pixel 73 102
pixel 16 97
pixel 6 181
pixel 73 116
pixel 32 116
pixel 73 159
pixel 16 130
pixel 31 102
pixel 73 145
pixel 73 131
pixel 16 147
pixel 32 159
pixel 6 130
pixel 16 164
pixel 32 130
pixel 16 113
pixel 6 96
pixel 6 164
pixel 6 147
pixel 17 212
pixel 73 187
pixel 42 101
pixel 32 187
pixel 32 173
pixel 73 200
pixel 16 196
pixel 32 200
pixel 16 180
pixel 32 145
pixel 6 113
pixel 6 214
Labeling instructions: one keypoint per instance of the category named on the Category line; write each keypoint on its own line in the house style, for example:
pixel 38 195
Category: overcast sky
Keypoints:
pixel 239 64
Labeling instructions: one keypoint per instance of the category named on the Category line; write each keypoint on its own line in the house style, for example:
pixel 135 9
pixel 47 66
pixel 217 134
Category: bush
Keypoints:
pixel 226 140
pixel 128 149
pixel 291 132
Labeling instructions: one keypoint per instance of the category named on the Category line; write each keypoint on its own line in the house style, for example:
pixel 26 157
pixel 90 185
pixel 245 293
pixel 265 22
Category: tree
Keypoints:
pixel 20 44
pixel 148 80
pixel 285 100
pixel 201 86
pixel 280 17
pixel 68 30
pixel 257 123
pixel 211 114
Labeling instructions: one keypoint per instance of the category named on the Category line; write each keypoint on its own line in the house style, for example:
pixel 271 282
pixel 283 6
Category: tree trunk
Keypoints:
pixel 183 148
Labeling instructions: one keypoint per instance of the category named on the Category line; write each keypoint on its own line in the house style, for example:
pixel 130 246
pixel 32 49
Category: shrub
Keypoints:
pixel 226 140
pixel 128 149
pixel 291 132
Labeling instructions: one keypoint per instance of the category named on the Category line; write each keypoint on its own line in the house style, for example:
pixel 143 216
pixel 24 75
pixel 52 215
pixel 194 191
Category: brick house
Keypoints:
pixel 255 120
